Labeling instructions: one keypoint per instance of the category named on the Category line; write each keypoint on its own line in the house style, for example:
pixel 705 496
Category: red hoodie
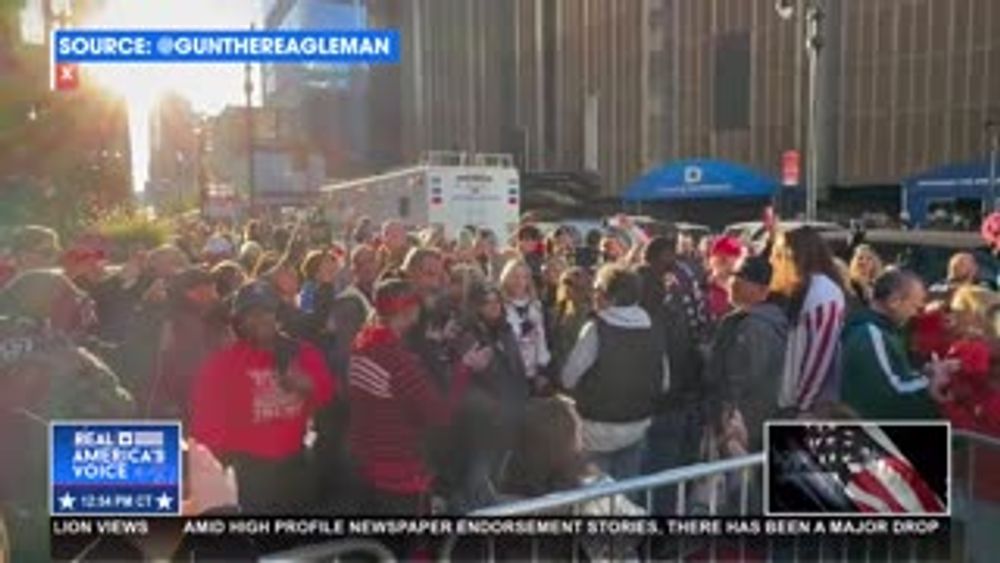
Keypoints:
pixel 976 408
pixel 237 405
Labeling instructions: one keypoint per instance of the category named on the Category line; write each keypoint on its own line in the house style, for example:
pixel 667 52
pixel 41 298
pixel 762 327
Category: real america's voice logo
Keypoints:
pixel 112 468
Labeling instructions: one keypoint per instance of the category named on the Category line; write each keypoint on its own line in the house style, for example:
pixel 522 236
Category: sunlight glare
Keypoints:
pixel 209 87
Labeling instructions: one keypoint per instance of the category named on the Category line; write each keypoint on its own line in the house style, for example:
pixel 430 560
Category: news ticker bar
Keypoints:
pixel 225 46
pixel 327 528
pixel 928 537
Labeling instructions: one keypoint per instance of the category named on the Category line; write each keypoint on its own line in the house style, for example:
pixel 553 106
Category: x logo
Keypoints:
pixel 67 76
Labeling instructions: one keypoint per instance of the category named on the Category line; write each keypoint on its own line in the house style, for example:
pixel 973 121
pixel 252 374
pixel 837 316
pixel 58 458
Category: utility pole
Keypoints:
pixel 814 45
pixel 993 130
pixel 814 17
pixel 202 172
pixel 248 90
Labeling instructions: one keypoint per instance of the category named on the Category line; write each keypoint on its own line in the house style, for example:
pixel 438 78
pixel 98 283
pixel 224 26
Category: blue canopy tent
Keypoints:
pixel 968 181
pixel 699 179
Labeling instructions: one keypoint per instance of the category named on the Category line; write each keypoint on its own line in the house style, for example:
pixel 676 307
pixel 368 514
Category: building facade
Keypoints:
pixel 327 101
pixel 620 87
pixel 173 152
pixel 286 170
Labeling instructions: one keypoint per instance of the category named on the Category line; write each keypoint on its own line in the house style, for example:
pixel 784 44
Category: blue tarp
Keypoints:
pixel 945 184
pixel 699 179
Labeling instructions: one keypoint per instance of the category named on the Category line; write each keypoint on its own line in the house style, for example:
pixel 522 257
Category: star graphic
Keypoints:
pixel 164 501
pixel 67 501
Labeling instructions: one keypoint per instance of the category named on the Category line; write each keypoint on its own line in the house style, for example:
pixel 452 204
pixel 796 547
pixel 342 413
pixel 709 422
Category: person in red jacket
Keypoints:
pixel 725 253
pixel 395 405
pixel 252 402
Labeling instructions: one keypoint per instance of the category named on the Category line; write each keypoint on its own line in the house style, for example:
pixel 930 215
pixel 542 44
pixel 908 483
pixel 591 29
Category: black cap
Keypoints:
pixel 255 295
pixel 755 269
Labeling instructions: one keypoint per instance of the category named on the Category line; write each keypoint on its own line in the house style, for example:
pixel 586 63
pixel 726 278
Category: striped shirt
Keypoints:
pixel 810 373
pixel 394 405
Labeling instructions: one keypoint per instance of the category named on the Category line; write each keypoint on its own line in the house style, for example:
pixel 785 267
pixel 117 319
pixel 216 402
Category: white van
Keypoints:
pixel 447 190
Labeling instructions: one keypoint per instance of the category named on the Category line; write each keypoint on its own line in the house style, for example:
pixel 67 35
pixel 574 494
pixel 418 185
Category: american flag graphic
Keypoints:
pixel 148 438
pixel 870 468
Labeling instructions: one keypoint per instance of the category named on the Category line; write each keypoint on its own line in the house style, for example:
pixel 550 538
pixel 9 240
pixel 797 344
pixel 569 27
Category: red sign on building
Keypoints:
pixel 791 168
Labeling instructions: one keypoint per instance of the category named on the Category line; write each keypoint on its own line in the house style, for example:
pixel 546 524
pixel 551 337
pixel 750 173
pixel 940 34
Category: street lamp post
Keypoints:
pixel 202 172
pixel 993 130
pixel 814 16
pixel 248 90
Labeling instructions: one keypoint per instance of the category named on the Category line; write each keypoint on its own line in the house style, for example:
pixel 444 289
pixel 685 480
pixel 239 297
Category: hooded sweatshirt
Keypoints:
pixel 608 436
pixel 878 380
pixel 238 407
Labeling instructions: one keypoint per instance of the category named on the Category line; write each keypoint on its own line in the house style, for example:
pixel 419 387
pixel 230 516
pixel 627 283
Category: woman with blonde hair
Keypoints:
pixel 973 309
pixel 865 267
pixel 526 317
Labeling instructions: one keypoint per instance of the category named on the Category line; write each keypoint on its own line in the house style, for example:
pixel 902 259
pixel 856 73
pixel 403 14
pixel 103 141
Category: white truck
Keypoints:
pixel 450 190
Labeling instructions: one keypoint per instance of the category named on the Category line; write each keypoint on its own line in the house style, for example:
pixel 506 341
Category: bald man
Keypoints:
pixel 963 270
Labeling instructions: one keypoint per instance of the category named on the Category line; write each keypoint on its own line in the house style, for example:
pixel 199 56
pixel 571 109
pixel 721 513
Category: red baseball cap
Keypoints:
pixel 728 247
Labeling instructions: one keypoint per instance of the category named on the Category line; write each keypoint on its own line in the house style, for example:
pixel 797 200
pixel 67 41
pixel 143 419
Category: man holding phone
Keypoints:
pixel 252 402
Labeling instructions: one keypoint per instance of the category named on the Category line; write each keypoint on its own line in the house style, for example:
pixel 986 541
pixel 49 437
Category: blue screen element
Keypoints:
pixel 115 468
pixel 271 46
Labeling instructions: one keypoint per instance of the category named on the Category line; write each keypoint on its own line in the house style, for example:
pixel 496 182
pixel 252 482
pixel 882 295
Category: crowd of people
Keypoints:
pixel 387 371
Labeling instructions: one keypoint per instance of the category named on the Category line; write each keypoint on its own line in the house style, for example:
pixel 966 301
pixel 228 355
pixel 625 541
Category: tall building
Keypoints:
pixel 173 152
pixel 619 87
pixel 455 87
pixel 327 101
pixel 286 170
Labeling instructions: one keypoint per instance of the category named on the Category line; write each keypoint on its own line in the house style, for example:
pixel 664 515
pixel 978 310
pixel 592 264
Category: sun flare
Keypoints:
pixel 209 87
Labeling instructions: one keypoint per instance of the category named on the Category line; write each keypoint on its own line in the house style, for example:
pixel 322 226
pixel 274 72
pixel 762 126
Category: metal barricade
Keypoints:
pixel 699 476
pixel 975 516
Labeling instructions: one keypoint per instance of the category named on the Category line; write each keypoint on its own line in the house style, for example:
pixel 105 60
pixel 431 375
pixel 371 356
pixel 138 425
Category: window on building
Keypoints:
pixel 404 207
pixel 732 81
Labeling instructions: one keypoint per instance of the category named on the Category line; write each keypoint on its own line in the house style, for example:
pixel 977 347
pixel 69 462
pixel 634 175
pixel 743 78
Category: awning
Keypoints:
pixel 944 184
pixel 700 179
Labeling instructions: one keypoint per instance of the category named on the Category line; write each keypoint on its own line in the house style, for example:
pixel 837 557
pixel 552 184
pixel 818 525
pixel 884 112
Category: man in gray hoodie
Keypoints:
pixel 747 354
pixel 616 372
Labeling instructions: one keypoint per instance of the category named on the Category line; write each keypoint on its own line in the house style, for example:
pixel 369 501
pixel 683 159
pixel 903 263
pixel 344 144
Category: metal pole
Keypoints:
pixel 248 90
pixel 201 171
pixel 993 129
pixel 814 46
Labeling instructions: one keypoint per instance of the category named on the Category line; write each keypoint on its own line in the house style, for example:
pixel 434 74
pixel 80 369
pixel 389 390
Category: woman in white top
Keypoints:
pixel 526 318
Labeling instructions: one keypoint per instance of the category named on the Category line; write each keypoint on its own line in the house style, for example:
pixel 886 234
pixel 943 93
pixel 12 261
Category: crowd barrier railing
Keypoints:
pixel 975 515
pixel 683 478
